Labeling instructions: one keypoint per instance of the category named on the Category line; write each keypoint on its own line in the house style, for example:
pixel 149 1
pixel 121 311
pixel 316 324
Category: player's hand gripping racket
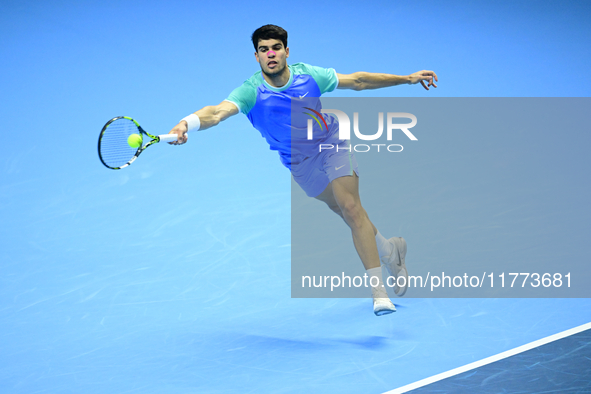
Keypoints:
pixel 122 140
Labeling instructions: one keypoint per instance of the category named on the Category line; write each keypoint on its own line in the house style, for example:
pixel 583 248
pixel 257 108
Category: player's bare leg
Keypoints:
pixel 346 195
pixel 392 252
pixel 342 197
pixel 327 196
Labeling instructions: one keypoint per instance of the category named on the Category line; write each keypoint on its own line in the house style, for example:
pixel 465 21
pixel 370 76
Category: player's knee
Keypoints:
pixel 353 212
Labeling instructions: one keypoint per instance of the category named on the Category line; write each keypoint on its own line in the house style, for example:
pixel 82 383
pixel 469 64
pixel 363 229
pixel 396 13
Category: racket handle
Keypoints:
pixel 168 137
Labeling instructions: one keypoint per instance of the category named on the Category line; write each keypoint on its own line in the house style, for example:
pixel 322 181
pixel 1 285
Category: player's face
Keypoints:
pixel 272 56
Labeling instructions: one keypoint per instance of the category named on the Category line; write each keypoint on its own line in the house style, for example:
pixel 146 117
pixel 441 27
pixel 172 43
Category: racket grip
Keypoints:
pixel 168 137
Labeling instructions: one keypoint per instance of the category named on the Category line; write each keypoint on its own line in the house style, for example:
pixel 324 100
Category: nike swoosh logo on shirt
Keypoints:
pixel 301 97
pixel 338 168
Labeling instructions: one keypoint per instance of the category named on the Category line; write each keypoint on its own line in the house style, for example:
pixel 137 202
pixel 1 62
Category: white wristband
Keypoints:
pixel 193 122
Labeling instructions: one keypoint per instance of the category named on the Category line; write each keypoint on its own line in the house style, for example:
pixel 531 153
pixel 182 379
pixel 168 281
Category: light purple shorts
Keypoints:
pixel 315 173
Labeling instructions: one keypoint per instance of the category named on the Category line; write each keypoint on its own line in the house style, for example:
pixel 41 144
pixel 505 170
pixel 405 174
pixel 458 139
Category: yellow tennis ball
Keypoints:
pixel 134 140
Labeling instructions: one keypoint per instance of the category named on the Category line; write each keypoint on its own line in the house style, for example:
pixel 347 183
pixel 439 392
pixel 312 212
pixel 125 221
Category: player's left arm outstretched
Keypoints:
pixel 364 80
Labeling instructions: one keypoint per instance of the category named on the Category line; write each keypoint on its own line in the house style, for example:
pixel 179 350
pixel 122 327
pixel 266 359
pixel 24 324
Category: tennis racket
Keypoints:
pixel 113 147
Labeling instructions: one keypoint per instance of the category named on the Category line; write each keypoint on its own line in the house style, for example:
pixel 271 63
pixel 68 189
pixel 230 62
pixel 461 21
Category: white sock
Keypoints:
pixel 379 288
pixel 385 248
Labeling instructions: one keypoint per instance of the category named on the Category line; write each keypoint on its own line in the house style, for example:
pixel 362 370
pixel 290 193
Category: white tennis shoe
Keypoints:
pixel 395 264
pixel 381 302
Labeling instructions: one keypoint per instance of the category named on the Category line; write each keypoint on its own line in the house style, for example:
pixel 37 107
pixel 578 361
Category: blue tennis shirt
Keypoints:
pixel 270 110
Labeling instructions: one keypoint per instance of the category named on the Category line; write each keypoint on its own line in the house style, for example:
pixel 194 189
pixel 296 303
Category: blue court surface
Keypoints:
pixel 174 275
pixel 559 363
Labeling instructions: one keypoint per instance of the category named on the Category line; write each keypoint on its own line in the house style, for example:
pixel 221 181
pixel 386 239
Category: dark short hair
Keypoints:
pixel 268 32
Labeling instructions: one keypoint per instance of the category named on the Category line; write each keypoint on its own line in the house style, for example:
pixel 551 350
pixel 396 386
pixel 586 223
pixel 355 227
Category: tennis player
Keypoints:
pixel 330 176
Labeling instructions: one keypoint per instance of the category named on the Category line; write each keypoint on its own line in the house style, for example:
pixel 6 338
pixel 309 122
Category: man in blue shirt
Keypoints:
pixel 331 177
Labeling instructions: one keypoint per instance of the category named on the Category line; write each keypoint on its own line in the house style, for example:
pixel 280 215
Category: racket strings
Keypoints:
pixel 113 147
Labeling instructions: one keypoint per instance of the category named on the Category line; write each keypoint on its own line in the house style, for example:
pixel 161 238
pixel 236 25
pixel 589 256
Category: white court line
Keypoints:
pixel 489 360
